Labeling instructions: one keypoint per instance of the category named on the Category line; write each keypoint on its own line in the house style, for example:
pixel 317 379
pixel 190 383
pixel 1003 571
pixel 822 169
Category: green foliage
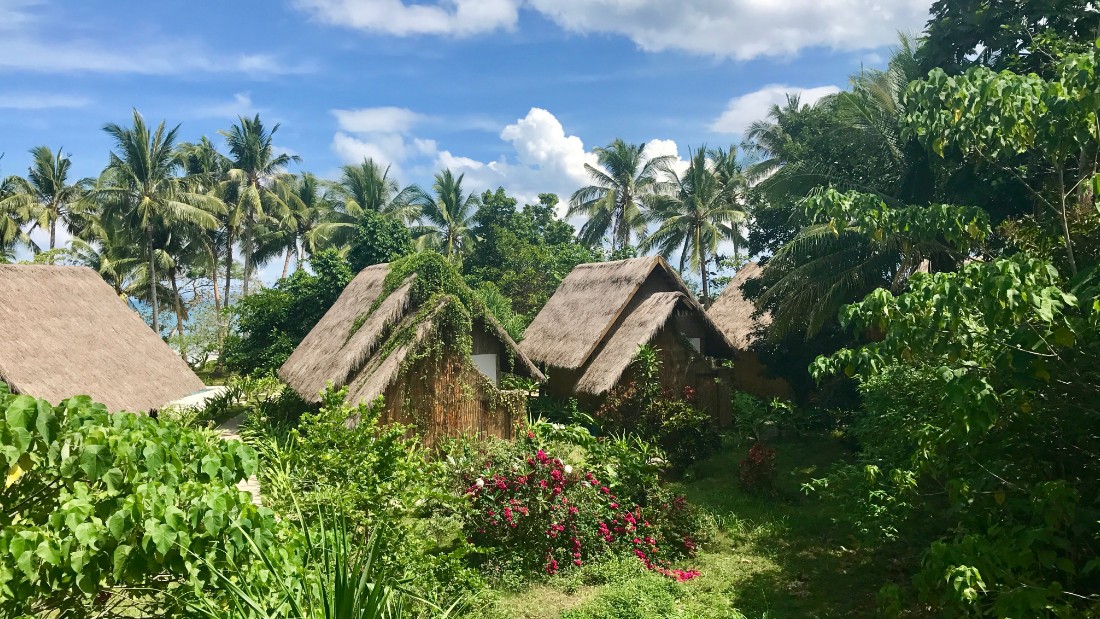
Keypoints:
pixel 272 322
pixel 378 239
pixel 644 408
pixel 107 512
pixel 1009 349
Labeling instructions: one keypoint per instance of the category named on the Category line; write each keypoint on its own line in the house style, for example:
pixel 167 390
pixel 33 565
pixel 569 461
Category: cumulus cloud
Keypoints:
pixel 743 110
pixel 739 29
pixel 449 17
pixel 541 156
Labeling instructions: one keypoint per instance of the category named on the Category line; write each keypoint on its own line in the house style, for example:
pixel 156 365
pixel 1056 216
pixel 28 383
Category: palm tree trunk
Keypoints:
pixel 247 256
pixel 152 279
pixel 298 256
pixel 53 233
pixel 286 262
pixel 228 265
pixel 179 311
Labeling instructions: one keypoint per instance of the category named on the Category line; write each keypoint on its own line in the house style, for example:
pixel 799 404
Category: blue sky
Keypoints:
pixel 510 92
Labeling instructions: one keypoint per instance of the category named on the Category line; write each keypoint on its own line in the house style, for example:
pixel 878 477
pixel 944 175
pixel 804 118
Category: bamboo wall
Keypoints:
pixel 448 397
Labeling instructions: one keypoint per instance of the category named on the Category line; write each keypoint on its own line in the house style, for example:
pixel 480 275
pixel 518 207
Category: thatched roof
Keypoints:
pixel 638 327
pixel 65 332
pixel 733 313
pixel 345 347
pixel 587 305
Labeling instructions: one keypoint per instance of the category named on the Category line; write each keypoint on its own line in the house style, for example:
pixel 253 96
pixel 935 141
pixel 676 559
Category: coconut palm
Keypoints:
pixel 446 218
pixel 142 190
pixel 696 218
pixel 368 186
pixel 613 202
pixel 46 194
pixel 298 234
pixel 13 218
pixel 207 170
pixel 255 177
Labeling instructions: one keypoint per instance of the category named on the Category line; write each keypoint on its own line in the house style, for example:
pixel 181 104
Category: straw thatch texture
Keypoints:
pixel 65 332
pixel 733 313
pixel 587 305
pixel 639 327
pixel 311 364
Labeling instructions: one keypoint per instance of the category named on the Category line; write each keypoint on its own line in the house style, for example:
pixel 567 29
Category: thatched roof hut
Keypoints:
pixel 412 333
pixel 591 329
pixel 737 317
pixel 734 314
pixel 65 332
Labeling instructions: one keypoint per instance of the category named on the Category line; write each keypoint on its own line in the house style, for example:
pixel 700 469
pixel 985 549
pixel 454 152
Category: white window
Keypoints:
pixel 488 366
pixel 696 343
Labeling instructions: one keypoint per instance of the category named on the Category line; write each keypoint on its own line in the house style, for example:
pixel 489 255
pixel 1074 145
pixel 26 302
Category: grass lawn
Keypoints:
pixel 787 555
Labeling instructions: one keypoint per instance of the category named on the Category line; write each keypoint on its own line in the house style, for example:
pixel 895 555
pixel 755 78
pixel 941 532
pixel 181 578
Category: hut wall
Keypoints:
pixel 751 376
pixel 448 397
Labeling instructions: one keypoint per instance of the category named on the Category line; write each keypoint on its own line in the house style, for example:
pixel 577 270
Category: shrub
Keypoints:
pixel 103 511
pixel 671 420
pixel 757 470
pixel 540 513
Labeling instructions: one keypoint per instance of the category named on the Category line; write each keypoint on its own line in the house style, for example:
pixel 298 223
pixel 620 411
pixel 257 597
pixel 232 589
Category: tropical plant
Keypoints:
pixel 46 195
pixel 858 243
pixel 142 190
pixel 445 218
pixel 256 186
pixel 621 186
pixel 696 216
pixel 103 514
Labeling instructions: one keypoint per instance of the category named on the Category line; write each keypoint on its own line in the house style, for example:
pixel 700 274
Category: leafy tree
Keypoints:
pixel 46 195
pixel 143 190
pixel 613 203
pixel 368 187
pixel 1023 36
pixel 1004 357
pixel 856 244
pixel 1001 119
pixel 378 239
pixel 257 182
pixel 272 322
pixel 445 217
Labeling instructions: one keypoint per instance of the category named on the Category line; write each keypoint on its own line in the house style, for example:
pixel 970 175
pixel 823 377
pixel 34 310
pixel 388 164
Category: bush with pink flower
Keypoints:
pixel 532 511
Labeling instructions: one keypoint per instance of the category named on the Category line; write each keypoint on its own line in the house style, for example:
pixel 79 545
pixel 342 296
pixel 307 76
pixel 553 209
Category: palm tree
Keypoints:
pixel 46 194
pixel 698 216
pixel 107 246
pixel 298 233
pixel 255 176
pixel 143 190
pixel 368 186
pixel 735 185
pixel 13 218
pixel 446 223
pixel 613 202
pixel 207 170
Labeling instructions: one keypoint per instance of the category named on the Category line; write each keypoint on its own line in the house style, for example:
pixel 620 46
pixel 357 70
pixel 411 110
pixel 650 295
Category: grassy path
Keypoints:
pixel 786 555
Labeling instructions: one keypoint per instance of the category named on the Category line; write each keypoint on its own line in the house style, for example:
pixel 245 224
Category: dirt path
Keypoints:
pixel 230 431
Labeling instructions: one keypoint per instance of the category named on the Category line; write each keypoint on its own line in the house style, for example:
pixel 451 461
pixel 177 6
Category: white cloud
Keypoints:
pixel 743 110
pixel 29 43
pixel 240 105
pixel 739 29
pixel 660 148
pixel 385 149
pixel 449 17
pixel 41 101
pixel 377 119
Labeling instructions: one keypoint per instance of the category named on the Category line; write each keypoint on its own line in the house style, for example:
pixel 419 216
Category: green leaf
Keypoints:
pixel 95 460
pixel 113 480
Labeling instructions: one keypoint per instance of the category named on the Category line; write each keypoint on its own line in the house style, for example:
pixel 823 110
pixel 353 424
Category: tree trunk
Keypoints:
pixel 179 312
pixel 53 233
pixel 286 262
pixel 1065 222
pixel 298 251
pixel 228 266
pixel 152 279
pixel 247 256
